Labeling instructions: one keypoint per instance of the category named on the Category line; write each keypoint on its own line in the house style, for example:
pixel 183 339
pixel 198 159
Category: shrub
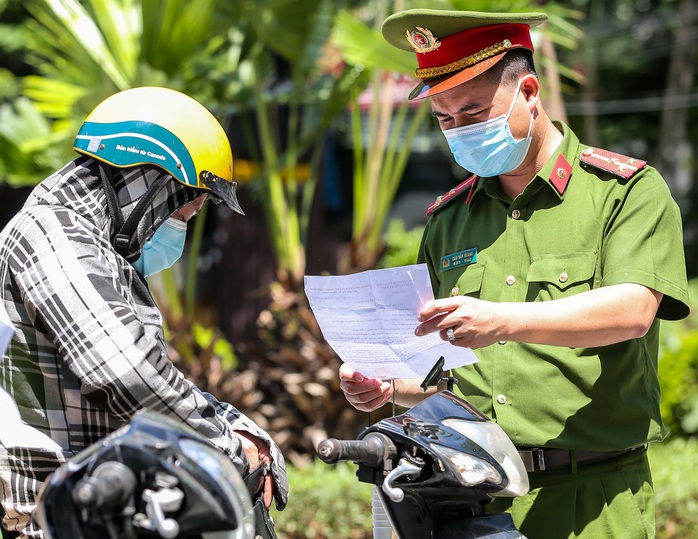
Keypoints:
pixel 325 501
pixel 676 487
pixel 678 371
pixel 401 245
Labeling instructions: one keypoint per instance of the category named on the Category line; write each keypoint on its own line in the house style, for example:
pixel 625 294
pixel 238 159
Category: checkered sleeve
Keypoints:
pixel 242 423
pixel 73 283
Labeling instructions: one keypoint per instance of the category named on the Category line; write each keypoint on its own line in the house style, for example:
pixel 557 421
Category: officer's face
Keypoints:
pixel 482 99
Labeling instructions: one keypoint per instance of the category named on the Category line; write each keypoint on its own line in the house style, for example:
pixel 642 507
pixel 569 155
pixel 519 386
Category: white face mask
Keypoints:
pixel 488 148
pixel 163 249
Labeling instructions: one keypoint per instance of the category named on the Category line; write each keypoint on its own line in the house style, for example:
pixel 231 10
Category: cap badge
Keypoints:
pixel 422 40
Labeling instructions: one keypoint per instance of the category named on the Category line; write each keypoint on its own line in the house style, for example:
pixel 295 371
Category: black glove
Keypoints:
pixel 263 523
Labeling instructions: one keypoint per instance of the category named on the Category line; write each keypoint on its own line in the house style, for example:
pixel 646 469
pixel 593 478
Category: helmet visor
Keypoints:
pixel 223 190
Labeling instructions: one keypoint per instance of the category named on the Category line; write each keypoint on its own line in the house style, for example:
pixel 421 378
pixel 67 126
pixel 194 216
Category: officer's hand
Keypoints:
pixel 475 323
pixel 364 394
pixel 258 454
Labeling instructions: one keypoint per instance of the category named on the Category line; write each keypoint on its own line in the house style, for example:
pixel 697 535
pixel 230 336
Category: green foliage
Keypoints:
pixel 382 130
pixel 325 501
pixel 8 85
pixel 169 30
pixel 401 245
pixel 309 97
pixel 26 139
pixel 678 371
pixel 365 47
pixel 78 53
pixel 676 487
pixel 12 39
pixel 678 376
pixel 210 339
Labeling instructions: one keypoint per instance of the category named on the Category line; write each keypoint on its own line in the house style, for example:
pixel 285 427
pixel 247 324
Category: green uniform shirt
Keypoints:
pixel 594 229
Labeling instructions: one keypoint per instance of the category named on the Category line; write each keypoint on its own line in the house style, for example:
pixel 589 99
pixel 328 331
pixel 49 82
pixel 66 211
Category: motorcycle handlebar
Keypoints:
pixel 111 483
pixel 371 450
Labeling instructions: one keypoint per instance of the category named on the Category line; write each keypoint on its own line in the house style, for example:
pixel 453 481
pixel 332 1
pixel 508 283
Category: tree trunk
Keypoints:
pixel 590 59
pixel 674 155
pixel 554 103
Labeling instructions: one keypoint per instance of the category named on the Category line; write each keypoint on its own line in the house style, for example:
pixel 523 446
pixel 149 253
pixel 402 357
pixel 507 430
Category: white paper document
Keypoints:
pixel 369 320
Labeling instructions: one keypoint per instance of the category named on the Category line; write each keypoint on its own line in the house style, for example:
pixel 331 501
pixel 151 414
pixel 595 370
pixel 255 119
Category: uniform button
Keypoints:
pixel 516 214
pixel 454 291
pixel 501 399
pixel 501 342
pixel 564 277
pixel 511 280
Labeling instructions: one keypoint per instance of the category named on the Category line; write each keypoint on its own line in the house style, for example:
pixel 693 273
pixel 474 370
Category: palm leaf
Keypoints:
pixel 72 20
pixel 363 46
pixel 27 144
pixel 286 26
pixel 173 30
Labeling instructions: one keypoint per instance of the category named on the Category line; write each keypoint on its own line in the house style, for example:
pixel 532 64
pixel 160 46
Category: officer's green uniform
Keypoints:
pixel 574 228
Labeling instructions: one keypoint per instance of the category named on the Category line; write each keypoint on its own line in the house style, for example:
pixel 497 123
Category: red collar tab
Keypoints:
pixel 615 163
pixel 453 193
pixel 437 57
pixel 560 176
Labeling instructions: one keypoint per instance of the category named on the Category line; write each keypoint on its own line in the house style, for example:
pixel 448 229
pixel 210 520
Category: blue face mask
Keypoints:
pixel 163 249
pixel 488 148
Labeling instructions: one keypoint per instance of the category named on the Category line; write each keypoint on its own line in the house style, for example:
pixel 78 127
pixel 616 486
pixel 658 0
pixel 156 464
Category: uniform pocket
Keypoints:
pixel 556 277
pixel 470 282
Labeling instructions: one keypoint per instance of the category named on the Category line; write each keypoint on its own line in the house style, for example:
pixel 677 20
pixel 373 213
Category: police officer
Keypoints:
pixel 574 253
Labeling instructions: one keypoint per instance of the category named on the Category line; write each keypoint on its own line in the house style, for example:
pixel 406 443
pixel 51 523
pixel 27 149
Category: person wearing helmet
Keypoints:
pixel 88 351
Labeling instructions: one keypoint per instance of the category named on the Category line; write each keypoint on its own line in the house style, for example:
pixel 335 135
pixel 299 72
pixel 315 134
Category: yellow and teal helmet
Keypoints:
pixel 164 128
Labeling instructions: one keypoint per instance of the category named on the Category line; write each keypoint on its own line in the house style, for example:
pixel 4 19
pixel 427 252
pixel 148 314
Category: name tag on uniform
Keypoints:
pixel 460 259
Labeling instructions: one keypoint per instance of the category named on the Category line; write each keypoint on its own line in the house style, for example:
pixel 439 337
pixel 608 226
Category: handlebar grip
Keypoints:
pixel 111 483
pixel 369 451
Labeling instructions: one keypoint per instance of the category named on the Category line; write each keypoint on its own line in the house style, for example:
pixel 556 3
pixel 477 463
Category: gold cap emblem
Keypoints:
pixel 422 40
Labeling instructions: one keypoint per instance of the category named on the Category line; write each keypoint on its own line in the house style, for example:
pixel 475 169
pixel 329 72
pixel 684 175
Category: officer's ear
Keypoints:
pixel 530 87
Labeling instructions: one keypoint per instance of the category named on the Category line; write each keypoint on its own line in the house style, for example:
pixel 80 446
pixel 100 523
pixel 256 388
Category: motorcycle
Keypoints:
pixel 152 478
pixel 435 468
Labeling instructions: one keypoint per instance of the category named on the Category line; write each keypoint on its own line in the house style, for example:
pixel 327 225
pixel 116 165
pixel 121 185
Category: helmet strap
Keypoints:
pixel 123 237
pixel 125 229
pixel 115 212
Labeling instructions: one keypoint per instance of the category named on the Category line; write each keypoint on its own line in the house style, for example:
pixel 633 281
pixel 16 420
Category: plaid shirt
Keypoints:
pixel 88 350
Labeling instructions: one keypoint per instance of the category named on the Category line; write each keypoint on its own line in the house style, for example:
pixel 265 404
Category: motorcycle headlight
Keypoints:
pixel 469 470
pixel 491 438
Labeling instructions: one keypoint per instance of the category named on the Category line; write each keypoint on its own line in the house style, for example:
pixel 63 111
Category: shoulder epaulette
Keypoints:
pixel 450 195
pixel 615 163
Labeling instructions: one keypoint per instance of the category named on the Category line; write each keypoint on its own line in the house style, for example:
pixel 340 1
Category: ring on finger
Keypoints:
pixel 450 334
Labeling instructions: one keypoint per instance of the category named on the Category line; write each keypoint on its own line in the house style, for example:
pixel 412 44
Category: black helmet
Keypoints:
pixel 152 478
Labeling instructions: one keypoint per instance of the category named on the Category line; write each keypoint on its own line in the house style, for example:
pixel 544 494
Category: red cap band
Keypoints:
pixel 473 41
